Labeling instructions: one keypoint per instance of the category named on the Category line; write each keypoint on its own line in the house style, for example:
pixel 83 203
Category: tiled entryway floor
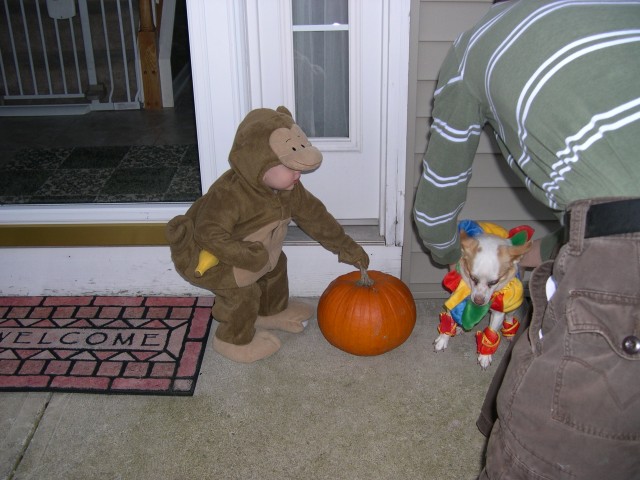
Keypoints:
pixel 104 157
pixel 117 174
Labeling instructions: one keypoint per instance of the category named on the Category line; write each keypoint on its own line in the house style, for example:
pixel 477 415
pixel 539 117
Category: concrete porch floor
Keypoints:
pixel 308 412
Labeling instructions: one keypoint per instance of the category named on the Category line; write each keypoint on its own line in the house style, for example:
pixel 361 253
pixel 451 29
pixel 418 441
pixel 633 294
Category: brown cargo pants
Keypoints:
pixel 569 404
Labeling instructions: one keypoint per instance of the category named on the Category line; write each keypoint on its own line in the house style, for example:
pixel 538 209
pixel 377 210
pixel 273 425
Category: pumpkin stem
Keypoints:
pixel 365 279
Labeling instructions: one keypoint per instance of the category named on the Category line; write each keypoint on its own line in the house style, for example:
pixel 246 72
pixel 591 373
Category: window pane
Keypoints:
pixel 319 12
pixel 321 66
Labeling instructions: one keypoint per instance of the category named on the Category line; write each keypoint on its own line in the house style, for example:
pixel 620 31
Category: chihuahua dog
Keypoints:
pixel 486 279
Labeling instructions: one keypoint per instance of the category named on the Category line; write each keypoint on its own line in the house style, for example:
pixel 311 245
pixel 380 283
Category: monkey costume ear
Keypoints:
pixel 285 110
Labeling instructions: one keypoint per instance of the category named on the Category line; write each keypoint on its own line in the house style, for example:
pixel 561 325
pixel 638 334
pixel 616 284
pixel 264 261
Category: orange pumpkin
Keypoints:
pixel 366 313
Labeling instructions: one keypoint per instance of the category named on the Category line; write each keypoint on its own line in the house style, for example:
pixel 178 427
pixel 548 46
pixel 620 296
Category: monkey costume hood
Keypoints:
pixel 243 222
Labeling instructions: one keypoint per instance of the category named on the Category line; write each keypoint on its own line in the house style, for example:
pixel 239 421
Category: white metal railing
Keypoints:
pixel 58 55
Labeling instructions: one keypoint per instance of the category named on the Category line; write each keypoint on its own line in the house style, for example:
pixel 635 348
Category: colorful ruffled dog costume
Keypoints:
pixel 459 310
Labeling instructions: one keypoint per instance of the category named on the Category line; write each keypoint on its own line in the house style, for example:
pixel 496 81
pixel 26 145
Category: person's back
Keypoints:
pixel 559 82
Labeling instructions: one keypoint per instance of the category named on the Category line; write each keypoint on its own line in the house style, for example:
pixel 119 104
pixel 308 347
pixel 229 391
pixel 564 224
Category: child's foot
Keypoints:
pixel 261 346
pixel 292 319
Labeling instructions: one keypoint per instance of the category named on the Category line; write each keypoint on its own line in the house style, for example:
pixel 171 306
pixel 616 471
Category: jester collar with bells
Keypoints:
pixel 458 307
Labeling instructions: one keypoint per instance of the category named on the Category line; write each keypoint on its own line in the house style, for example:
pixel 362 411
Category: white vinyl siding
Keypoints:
pixel 495 193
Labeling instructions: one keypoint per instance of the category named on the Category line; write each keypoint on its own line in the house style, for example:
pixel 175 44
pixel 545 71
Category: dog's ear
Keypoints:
pixel 468 244
pixel 517 251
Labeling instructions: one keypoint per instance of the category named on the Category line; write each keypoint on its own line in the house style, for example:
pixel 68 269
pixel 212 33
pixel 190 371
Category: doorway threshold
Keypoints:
pixel 362 234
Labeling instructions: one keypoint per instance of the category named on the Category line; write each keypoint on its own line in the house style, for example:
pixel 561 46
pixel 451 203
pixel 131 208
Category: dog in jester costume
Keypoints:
pixel 486 279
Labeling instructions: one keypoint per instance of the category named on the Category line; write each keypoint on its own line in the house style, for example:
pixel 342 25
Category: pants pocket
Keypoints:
pixel 597 389
pixel 539 318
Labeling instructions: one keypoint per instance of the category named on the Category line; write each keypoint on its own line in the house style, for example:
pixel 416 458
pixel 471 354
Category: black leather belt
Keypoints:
pixel 611 218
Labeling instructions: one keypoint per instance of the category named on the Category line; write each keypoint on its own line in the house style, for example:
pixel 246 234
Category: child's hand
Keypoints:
pixel 354 255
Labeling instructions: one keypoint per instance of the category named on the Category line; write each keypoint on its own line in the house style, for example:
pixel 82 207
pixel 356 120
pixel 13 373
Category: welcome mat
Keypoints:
pixel 134 345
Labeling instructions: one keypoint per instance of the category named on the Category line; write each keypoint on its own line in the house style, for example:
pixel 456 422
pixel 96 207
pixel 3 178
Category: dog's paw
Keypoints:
pixel 485 361
pixel 440 343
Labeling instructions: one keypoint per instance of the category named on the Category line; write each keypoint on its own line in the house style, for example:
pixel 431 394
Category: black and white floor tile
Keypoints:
pixel 103 174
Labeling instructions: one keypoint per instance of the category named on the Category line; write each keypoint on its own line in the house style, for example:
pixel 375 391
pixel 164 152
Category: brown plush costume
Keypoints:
pixel 243 222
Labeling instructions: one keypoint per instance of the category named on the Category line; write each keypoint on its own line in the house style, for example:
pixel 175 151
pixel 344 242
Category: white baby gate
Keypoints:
pixel 68 56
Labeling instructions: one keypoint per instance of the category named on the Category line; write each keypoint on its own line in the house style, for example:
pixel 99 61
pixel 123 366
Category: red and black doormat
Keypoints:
pixel 134 345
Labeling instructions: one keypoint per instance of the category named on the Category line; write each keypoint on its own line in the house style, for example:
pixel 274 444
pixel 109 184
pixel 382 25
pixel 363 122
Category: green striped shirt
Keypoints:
pixel 559 83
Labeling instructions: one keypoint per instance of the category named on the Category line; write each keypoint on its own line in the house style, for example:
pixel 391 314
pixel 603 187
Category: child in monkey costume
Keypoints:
pixel 230 240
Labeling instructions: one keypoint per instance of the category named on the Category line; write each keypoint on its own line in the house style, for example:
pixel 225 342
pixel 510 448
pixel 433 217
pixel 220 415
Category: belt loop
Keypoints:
pixel 577 217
